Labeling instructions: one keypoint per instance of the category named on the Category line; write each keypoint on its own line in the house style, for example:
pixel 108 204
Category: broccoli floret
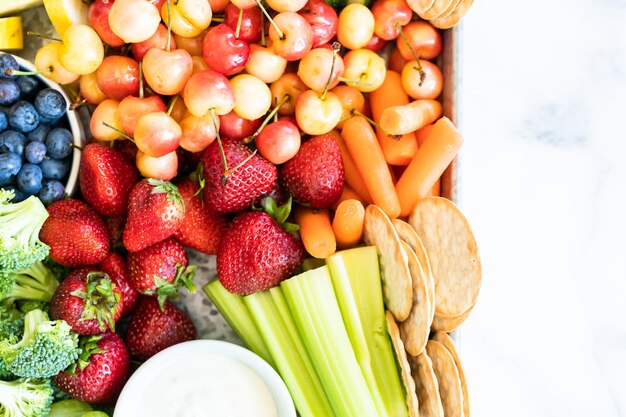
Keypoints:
pixel 46 348
pixel 25 398
pixel 29 305
pixel 20 223
pixel 35 283
pixel 11 326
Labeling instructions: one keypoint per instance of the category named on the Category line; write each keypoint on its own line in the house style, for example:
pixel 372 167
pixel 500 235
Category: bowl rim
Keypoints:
pixel 128 398
pixel 76 127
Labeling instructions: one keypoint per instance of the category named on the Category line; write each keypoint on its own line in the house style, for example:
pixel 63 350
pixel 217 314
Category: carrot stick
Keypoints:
pixel 431 160
pixel 370 162
pixel 348 193
pixel 348 223
pixel 389 94
pixel 351 174
pixel 316 231
pixel 400 120
pixel 421 136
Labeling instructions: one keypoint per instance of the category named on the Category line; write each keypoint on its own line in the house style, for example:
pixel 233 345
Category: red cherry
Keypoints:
pixel 250 29
pixel 323 21
pixel 236 127
pixel 118 77
pixel 99 20
pixel 223 52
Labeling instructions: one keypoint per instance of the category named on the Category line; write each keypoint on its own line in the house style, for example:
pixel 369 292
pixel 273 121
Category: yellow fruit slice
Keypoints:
pixel 65 13
pixel 11 36
pixel 14 6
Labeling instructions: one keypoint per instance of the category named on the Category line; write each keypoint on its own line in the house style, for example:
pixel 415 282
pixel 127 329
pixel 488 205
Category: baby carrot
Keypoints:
pixel 399 120
pixel 350 173
pixel 348 193
pixel 370 162
pixel 348 223
pixel 316 231
pixel 421 136
pixel 391 93
pixel 431 160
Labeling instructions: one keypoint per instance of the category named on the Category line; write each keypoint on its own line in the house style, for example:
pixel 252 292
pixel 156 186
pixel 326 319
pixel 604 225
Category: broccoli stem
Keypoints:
pixel 36 283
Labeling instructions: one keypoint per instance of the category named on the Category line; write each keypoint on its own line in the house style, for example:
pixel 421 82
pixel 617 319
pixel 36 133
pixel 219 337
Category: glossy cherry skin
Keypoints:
pixel 376 44
pixel 99 20
pixel 388 14
pixel 425 40
pixel 297 37
pixel 250 30
pixel 158 40
pixel 236 127
pixel 89 89
pixel 278 142
pixel 317 115
pixel 223 52
pixel 167 72
pixel 323 21
pixel 132 108
pixel 288 85
pixel 161 168
pixel 208 90
pixel 118 77
pixel 198 132
pixel 157 134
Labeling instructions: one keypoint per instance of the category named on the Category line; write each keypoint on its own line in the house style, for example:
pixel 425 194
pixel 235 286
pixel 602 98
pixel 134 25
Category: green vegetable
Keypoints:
pixel 69 408
pixel 20 223
pixel 273 319
pixel 45 349
pixel 95 414
pixel 314 308
pixel 25 398
pixel 35 283
pixel 356 280
pixel 11 326
pixel 340 4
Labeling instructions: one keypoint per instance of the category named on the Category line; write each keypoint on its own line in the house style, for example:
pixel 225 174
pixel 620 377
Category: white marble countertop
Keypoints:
pixel 544 186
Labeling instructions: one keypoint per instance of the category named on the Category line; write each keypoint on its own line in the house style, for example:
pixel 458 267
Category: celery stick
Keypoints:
pixel 356 280
pixel 237 315
pixel 313 306
pixel 272 317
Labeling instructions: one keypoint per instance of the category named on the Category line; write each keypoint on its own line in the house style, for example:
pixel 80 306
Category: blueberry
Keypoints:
pixel 23 116
pixel 34 152
pixel 10 180
pixel 12 141
pixel 50 104
pixel 8 62
pixel 49 121
pixel 59 143
pixel 55 169
pixel 19 196
pixel 4 122
pixel 28 85
pixel 10 164
pixel 29 178
pixel 39 134
pixel 9 92
pixel 51 191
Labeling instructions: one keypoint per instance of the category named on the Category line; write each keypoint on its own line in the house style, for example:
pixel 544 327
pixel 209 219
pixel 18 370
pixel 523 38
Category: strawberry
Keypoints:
pixel 248 178
pixel 256 252
pixel 100 372
pixel 106 178
pixel 155 212
pixel 202 228
pixel 314 176
pixel 160 269
pixel 88 301
pixel 151 329
pixel 76 234
pixel 115 267
pixel 115 225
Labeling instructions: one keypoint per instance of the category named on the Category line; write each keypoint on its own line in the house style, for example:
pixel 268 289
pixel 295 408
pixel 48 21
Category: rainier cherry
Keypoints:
pixel 134 20
pixel 278 142
pixel 323 21
pixel 356 26
pixel 132 108
pixel 187 17
pixel 162 168
pixel 252 96
pixel 99 20
pixel 364 70
pixel 423 38
pixel 118 77
pixel 167 71
pixel 157 134
pixel 315 69
pixel 265 64
pixel 157 40
pixel 289 85
pixel 82 51
pixel 105 122
pixel 47 61
pixel 89 89
pixel 291 35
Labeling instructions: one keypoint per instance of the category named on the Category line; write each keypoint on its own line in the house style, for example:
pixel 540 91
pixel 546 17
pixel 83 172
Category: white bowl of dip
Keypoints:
pixel 205 378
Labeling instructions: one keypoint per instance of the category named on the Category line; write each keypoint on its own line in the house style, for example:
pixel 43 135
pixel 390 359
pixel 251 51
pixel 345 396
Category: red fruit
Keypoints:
pixel 155 212
pixel 106 178
pixel 159 269
pixel 256 254
pixel 115 267
pixel 115 225
pixel 76 234
pixel 244 185
pixel 100 379
pixel 314 177
pixel 151 329
pixel 202 227
pixel 88 301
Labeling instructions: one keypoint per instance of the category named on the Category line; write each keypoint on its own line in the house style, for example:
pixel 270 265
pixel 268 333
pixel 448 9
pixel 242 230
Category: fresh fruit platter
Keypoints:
pixel 280 174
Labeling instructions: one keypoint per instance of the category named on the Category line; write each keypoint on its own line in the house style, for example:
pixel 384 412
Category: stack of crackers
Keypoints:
pixel 442 14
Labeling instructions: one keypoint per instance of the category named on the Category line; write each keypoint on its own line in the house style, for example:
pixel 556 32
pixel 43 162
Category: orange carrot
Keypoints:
pixel 348 223
pixel 431 160
pixel 348 193
pixel 421 136
pixel 316 231
pixel 351 174
pixel 400 120
pixel 370 162
pixel 389 94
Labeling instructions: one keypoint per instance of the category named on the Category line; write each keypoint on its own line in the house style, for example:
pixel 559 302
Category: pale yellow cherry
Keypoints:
pixel 82 51
pixel 286 5
pixel 265 64
pixel 318 113
pixel 355 26
pixel 47 61
pixel 252 96
pixel 364 70
pixel 105 122
pixel 314 69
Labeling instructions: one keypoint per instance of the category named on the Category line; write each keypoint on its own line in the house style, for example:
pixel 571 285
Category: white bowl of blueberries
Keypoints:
pixel 40 138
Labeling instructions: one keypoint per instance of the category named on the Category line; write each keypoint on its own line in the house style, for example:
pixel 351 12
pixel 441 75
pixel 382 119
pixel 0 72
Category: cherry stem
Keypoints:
pixel 239 21
pixel 239 165
pixel 419 67
pixel 124 135
pixel 78 103
pixel 336 47
pixel 355 112
pixel 43 36
pixel 263 31
pixel 169 25
pixel 354 82
pixel 219 144
pixel 281 35
pixel 218 19
pixel 170 108
pixel 141 79
pixel 267 120
pixel 10 72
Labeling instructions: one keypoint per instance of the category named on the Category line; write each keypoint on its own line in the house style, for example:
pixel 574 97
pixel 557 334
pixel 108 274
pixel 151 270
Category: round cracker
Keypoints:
pixel 449 323
pixel 420 6
pixel 448 379
pixel 437 8
pixel 394 269
pixel 451 7
pixel 412 402
pixel 452 251
pixel 426 385
pixel 410 236
pixel 416 328
pixel 448 343
pixel 453 18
